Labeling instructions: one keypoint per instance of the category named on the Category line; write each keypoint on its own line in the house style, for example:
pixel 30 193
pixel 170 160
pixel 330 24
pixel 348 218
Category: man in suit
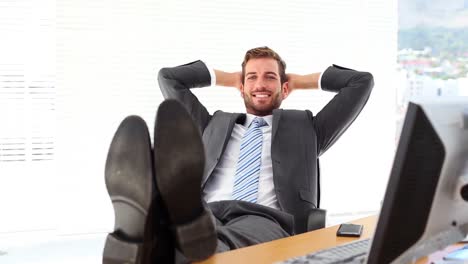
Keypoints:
pixel 218 182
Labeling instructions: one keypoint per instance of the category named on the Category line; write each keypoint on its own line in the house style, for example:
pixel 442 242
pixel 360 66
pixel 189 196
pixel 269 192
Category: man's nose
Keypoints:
pixel 260 83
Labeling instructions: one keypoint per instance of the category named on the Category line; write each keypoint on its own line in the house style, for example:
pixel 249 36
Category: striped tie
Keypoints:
pixel 248 166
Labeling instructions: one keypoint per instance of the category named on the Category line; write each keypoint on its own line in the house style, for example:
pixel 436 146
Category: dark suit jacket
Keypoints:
pixel 298 137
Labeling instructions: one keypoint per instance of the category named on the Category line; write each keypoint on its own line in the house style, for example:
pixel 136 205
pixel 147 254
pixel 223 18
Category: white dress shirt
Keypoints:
pixel 221 183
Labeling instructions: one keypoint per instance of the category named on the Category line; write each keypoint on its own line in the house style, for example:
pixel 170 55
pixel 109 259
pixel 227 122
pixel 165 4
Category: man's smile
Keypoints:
pixel 261 94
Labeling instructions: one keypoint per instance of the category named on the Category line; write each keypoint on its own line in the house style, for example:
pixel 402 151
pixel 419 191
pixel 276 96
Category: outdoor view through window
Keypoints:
pixel 432 51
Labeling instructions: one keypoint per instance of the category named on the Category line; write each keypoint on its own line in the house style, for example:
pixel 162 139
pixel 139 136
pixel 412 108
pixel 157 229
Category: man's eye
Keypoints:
pixel 252 77
pixel 271 77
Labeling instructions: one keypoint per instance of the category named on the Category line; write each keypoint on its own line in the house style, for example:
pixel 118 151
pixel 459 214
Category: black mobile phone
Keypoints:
pixel 349 230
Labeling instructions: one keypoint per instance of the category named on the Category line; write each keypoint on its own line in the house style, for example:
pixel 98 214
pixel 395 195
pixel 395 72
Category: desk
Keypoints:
pixel 302 244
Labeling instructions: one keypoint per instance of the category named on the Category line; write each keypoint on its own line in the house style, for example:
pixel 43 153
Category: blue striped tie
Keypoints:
pixel 248 166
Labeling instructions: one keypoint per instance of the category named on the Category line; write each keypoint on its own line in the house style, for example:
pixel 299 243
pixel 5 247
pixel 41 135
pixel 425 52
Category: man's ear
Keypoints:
pixel 241 88
pixel 285 90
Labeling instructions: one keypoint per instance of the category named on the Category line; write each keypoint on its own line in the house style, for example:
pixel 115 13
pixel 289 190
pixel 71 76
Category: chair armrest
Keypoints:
pixel 316 219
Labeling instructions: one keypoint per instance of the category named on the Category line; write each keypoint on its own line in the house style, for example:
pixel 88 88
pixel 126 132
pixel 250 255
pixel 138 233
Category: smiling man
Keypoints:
pixel 221 181
pixel 263 88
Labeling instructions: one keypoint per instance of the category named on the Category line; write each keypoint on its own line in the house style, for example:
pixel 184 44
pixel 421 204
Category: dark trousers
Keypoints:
pixel 240 224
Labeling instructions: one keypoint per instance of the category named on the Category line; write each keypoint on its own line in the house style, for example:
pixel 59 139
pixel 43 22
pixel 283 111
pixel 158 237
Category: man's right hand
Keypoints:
pixel 229 79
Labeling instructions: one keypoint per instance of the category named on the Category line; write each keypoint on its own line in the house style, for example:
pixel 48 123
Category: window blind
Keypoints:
pixel 27 115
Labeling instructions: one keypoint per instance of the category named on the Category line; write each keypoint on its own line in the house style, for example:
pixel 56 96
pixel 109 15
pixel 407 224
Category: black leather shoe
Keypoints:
pixel 128 175
pixel 179 164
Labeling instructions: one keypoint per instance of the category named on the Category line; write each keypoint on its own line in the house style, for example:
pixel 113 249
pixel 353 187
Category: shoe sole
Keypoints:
pixel 179 164
pixel 179 158
pixel 128 176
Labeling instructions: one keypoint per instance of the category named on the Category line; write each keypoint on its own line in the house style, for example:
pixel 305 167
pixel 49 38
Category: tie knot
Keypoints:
pixel 258 122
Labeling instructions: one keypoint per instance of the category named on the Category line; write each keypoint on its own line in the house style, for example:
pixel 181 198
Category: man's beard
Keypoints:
pixel 265 109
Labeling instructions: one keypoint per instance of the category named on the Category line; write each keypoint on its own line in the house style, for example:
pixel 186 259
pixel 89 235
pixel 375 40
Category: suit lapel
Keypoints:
pixel 276 118
pixel 215 138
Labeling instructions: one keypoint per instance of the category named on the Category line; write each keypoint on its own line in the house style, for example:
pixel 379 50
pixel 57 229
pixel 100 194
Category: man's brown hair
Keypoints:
pixel 265 52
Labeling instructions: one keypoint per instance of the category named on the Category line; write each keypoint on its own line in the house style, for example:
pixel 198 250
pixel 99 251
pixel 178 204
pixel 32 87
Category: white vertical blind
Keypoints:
pixel 27 115
pixel 108 54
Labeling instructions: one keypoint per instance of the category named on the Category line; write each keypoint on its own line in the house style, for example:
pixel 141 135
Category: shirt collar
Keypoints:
pixel 250 118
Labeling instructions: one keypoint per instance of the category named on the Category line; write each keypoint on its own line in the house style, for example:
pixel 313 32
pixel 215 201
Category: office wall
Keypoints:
pixel 108 54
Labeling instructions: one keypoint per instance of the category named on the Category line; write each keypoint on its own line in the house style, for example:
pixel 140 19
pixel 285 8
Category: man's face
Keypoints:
pixel 262 90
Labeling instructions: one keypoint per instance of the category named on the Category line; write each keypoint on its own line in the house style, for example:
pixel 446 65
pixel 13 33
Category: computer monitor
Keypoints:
pixel 425 207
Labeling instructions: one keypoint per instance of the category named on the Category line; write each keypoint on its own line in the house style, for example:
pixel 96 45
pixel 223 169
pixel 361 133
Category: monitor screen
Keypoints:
pixel 425 207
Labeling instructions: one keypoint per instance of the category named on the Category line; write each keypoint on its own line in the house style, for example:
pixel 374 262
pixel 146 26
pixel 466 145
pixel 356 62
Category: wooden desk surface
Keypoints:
pixel 299 245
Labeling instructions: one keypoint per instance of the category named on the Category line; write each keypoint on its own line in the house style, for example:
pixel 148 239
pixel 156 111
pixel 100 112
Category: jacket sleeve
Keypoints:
pixel 353 88
pixel 176 82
